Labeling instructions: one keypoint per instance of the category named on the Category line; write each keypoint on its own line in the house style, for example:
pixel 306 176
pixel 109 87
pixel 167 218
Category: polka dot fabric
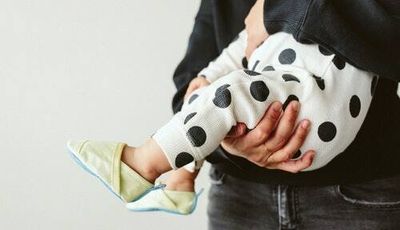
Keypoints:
pixel 335 97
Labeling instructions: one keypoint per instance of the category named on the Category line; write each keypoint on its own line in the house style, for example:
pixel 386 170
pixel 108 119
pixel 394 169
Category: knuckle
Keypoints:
pixel 285 157
pixel 261 134
pixel 280 139
pixel 256 158
pixel 266 150
pixel 301 135
pixel 273 115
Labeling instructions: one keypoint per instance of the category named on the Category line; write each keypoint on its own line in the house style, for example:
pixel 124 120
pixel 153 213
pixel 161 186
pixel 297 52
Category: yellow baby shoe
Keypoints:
pixel 160 199
pixel 103 160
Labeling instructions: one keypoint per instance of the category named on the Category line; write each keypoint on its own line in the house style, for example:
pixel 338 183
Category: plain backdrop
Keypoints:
pixel 77 69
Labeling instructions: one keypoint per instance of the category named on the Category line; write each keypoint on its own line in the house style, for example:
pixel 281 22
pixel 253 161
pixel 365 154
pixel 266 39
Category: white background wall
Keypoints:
pixel 75 69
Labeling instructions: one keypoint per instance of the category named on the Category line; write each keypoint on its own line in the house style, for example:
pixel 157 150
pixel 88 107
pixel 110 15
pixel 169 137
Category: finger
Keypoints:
pixel 203 84
pixel 250 49
pixel 265 161
pixel 266 126
pixel 293 145
pixel 192 87
pixel 294 166
pixel 285 127
pixel 237 130
pixel 259 157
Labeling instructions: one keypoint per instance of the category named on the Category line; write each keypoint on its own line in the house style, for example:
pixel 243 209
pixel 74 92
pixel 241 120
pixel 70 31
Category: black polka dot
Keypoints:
pixel 297 154
pixel 197 136
pixel 355 106
pixel 188 117
pixel 259 90
pixel 287 56
pixel 289 77
pixel 244 62
pixel 339 63
pixel 183 159
pixel 324 51
pixel 251 72
pixel 268 68
pixel 320 82
pixel 327 131
pixel 288 100
pixel 192 98
pixel 222 97
pixel 255 65
pixel 374 83
pixel 222 88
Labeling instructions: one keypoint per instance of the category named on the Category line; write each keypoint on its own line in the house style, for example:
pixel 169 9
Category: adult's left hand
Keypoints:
pixel 274 141
pixel 255 28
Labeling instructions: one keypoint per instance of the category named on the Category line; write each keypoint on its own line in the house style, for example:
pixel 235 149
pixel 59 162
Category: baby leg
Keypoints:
pixel 336 110
pixel 241 96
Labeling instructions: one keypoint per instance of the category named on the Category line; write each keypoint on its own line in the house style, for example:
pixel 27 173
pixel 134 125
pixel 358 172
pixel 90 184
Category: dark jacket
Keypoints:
pixel 365 33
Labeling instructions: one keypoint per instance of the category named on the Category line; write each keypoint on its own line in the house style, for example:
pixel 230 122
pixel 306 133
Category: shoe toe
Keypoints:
pixel 103 160
pixel 75 146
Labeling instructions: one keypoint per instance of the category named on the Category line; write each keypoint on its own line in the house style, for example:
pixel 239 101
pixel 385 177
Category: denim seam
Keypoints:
pixel 296 205
pixel 368 204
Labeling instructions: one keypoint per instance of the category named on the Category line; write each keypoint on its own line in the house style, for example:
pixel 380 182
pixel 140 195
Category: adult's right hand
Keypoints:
pixel 274 141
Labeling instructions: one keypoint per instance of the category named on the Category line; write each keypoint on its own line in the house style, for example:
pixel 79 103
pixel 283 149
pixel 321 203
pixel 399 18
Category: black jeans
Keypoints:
pixel 239 204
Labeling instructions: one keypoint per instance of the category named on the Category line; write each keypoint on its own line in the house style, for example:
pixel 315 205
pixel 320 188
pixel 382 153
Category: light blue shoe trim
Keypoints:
pixel 87 169
pixel 168 210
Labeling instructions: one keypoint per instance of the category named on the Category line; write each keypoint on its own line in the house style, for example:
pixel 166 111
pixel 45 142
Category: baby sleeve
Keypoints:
pixel 232 58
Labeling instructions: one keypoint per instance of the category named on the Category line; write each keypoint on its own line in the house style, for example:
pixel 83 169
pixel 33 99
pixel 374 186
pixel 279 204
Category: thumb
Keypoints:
pixel 237 131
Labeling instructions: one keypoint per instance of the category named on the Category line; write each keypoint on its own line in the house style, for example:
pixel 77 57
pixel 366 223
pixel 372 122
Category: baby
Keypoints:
pixel 334 95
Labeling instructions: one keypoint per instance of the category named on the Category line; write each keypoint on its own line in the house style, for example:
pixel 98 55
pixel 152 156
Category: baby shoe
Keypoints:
pixel 160 199
pixel 103 160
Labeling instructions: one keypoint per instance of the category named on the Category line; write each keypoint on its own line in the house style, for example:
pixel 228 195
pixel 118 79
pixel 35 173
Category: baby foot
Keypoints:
pixel 171 201
pixel 103 160
pixel 176 196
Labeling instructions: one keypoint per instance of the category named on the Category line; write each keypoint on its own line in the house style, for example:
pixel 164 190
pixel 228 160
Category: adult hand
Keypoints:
pixel 196 83
pixel 272 143
pixel 255 28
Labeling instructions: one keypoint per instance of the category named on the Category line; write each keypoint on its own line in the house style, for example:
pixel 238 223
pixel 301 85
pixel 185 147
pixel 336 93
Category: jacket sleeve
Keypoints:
pixel 202 49
pixel 365 33
pixel 232 58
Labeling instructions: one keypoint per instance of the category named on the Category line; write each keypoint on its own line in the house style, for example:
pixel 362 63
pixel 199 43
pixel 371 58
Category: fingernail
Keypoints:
pixel 305 124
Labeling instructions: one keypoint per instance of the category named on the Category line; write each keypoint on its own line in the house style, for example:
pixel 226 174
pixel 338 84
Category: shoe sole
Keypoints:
pixel 168 210
pixel 84 166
